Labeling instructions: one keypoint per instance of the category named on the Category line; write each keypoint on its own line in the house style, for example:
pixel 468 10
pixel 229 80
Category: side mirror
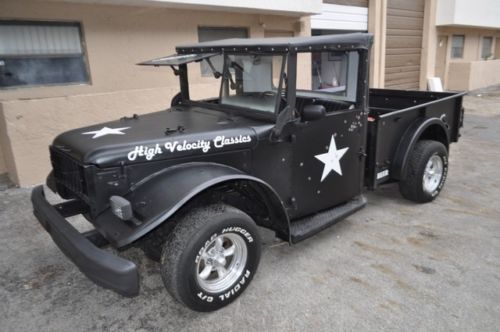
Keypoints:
pixel 313 112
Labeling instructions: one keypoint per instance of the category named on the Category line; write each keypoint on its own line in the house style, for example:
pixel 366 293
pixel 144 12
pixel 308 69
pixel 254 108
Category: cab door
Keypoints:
pixel 327 158
pixel 326 162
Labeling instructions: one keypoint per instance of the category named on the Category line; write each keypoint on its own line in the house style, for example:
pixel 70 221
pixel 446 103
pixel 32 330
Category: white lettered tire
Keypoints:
pixel 426 172
pixel 210 257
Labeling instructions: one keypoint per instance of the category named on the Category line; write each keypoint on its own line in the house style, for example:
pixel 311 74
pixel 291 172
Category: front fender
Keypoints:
pixel 410 138
pixel 160 195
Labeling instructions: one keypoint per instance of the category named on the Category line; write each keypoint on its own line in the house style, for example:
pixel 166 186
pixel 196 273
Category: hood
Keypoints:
pixel 179 132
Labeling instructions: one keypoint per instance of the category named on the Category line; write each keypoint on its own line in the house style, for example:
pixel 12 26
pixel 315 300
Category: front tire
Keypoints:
pixel 210 257
pixel 425 172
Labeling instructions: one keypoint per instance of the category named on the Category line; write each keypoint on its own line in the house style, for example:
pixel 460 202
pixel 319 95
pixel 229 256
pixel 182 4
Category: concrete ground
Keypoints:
pixel 393 266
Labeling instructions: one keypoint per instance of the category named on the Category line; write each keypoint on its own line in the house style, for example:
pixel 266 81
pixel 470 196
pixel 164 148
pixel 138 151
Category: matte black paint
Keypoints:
pixel 197 123
pixel 400 118
pixel 161 194
pixel 275 165
pixel 102 267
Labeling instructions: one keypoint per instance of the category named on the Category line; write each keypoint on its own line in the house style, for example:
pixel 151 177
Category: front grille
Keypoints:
pixel 68 174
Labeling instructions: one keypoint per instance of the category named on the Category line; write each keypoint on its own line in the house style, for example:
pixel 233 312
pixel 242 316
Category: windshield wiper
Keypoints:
pixel 235 65
pixel 216 73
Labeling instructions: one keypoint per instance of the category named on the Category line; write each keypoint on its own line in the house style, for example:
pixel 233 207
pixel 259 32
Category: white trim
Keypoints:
pixel 279 7
pixel 468 13
pixel 339 17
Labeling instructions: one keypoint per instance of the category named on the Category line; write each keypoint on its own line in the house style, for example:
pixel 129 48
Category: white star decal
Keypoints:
pixel 106 131
pixel 331 159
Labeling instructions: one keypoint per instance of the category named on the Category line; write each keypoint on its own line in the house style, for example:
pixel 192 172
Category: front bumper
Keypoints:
pixel 100 266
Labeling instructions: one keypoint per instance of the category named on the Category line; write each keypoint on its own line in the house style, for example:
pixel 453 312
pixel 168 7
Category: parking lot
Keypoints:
pixel 395 265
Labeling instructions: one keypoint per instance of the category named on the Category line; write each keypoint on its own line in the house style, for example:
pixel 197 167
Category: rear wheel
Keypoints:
pixel 210 257
pixel 425 172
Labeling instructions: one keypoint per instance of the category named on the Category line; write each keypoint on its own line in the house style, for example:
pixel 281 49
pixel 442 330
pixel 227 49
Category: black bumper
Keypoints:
pixel 100 266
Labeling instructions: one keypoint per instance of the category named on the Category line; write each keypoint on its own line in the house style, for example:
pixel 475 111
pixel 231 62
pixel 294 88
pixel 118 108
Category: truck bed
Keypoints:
pixel 391 115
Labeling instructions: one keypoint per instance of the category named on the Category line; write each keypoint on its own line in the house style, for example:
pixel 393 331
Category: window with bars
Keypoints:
pixel 457 46
pixel 41 53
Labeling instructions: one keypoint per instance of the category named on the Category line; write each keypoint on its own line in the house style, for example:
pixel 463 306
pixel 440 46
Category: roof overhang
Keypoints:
pixel 468 14
pixel 274 7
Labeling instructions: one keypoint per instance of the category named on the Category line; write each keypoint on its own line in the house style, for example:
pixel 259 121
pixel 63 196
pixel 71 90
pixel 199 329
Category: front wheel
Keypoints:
pixel 425 172
pixel 210 257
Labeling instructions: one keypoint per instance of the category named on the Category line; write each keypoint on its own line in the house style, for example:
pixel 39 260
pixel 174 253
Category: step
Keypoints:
pixel 308 226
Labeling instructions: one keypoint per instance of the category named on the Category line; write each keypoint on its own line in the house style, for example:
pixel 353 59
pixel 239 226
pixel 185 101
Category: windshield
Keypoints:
pixel 252 81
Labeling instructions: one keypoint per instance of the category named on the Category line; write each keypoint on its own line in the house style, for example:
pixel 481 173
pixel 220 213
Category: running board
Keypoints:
pixel 305 227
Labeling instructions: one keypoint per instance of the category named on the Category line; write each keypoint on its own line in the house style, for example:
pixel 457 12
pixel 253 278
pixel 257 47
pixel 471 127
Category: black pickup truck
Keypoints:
pixel 190 184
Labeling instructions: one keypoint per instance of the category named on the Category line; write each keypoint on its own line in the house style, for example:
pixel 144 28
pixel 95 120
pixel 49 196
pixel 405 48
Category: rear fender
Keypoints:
pixel 156 198
pixel 412 135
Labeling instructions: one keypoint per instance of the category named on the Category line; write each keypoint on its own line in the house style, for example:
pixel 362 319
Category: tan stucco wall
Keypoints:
pixel 458 76
pixel 116 37
pixel 32 124
pixel 377 24
pixel 3 140
pixel 472 44
pixel 3 168
pixel 429 44
pixel 470 72
pixel 484 73
pixel 473 75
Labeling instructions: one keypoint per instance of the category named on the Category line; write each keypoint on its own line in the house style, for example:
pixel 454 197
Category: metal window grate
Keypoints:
pixel 21 40
pixel 41 53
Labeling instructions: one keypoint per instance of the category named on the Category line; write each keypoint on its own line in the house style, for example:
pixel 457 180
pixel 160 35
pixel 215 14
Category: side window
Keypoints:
pixel 333 75
pixel 217 33
pixel 37 53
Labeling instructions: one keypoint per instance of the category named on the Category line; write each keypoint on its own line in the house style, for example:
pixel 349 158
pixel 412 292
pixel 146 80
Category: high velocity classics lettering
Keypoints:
pixel 219 142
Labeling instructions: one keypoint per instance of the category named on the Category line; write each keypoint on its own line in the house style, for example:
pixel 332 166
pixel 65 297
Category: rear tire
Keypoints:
pixel 425 172
pixel 210 257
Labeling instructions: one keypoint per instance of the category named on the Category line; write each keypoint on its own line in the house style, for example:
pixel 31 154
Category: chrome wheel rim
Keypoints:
pixel 433 174
pixel 221 263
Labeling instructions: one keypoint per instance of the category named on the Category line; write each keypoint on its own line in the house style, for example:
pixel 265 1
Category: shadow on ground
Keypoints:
pixel 393 265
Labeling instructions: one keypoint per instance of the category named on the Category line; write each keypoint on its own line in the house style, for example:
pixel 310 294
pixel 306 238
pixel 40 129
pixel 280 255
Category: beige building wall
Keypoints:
pixel 473 37
pixel 377 24
pixel 3 167
pixel 429 44
pixel 473 75
pixel 116 38
pixel 469 72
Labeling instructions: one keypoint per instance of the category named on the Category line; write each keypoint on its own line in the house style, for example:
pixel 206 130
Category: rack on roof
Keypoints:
pixel 281 44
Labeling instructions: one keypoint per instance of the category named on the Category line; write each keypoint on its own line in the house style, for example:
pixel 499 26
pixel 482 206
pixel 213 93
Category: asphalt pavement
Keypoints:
pixel 394 265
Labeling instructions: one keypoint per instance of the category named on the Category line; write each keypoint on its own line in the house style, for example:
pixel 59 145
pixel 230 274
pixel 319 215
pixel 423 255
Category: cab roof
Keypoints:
pixel 281 44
